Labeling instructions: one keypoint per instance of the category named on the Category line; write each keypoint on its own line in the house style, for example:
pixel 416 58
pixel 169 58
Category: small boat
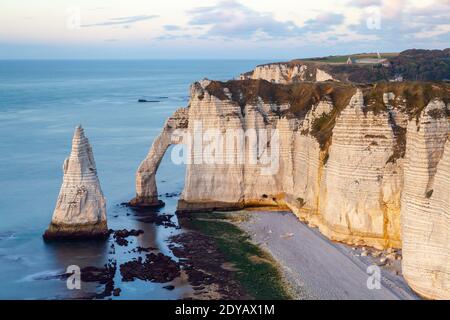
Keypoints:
pixel 145 100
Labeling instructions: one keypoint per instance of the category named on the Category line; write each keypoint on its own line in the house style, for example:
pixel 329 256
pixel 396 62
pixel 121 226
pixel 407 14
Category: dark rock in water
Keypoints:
pixel 171 195
pixel 197 278
pixel 141 249
pixel 170 288
pixel 158 219
pixel 103 275
pixel 116 292
pixel 122 242
pixel 155 268
pixel 138 203
pixel 145 100
pixel 58 276
pixel 120 235
pixel 202 261
pixel 124 233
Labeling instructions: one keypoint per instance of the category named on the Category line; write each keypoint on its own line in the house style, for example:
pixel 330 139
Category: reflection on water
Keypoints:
pixel 81 254
pixel 148 238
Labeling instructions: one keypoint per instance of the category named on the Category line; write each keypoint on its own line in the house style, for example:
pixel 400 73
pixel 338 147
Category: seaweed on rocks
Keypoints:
pixel 203 264
pixel 103 276
pixel 121 235
pixel 158 219
pixel 156 267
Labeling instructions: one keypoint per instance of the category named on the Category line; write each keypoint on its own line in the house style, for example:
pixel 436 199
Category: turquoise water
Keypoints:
pixel 41 102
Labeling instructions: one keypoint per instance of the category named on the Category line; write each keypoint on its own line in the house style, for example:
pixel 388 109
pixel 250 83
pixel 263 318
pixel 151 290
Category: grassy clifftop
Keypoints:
pixel 410 98
pixel 413 96
pixel 411 65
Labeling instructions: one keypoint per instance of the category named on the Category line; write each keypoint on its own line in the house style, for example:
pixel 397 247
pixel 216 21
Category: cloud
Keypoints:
pixel 121 21
pixel 171 27
pixel 392 9
pixel 165 37
pixel 405 24
pixel 324 22
pixel 97 8
pixel 364 3
pixel 231 19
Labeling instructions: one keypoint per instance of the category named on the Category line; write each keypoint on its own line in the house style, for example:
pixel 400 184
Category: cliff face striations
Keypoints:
pixel 358 193
pixel 287 72
pixel 80 209
pixel 365 164
pixel 425 204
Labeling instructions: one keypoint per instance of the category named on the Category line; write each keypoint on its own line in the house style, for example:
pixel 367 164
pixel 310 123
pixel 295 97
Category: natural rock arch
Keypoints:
pixel 146 189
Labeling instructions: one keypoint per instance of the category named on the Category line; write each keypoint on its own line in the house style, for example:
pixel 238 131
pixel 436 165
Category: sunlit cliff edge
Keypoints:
pixel 366 164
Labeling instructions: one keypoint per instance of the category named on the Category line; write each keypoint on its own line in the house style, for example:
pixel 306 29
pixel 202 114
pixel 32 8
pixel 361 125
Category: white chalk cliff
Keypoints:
pixel 80 210
pixel 426 204
pixel 146 189
pixel 342 166
pixel 287 72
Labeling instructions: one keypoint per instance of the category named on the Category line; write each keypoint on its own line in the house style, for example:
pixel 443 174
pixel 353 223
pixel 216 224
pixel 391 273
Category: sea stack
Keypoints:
pixel 80 211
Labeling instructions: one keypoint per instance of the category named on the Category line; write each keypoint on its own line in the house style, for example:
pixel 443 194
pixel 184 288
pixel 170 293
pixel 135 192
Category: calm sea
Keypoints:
pixel 41 102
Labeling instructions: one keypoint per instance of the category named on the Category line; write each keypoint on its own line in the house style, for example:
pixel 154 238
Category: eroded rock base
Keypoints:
pixel 76 232
pixel 140 202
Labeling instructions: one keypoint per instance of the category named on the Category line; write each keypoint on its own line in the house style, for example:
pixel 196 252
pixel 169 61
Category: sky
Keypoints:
pixel 222 29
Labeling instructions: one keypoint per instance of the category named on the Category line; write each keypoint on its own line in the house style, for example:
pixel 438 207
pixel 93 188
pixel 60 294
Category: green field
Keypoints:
pixel 343 58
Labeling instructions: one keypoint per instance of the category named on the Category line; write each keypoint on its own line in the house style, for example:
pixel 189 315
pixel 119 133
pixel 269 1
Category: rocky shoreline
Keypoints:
pixel 214 244
pixel 200 261
pixel 197 261
pixel 206 268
